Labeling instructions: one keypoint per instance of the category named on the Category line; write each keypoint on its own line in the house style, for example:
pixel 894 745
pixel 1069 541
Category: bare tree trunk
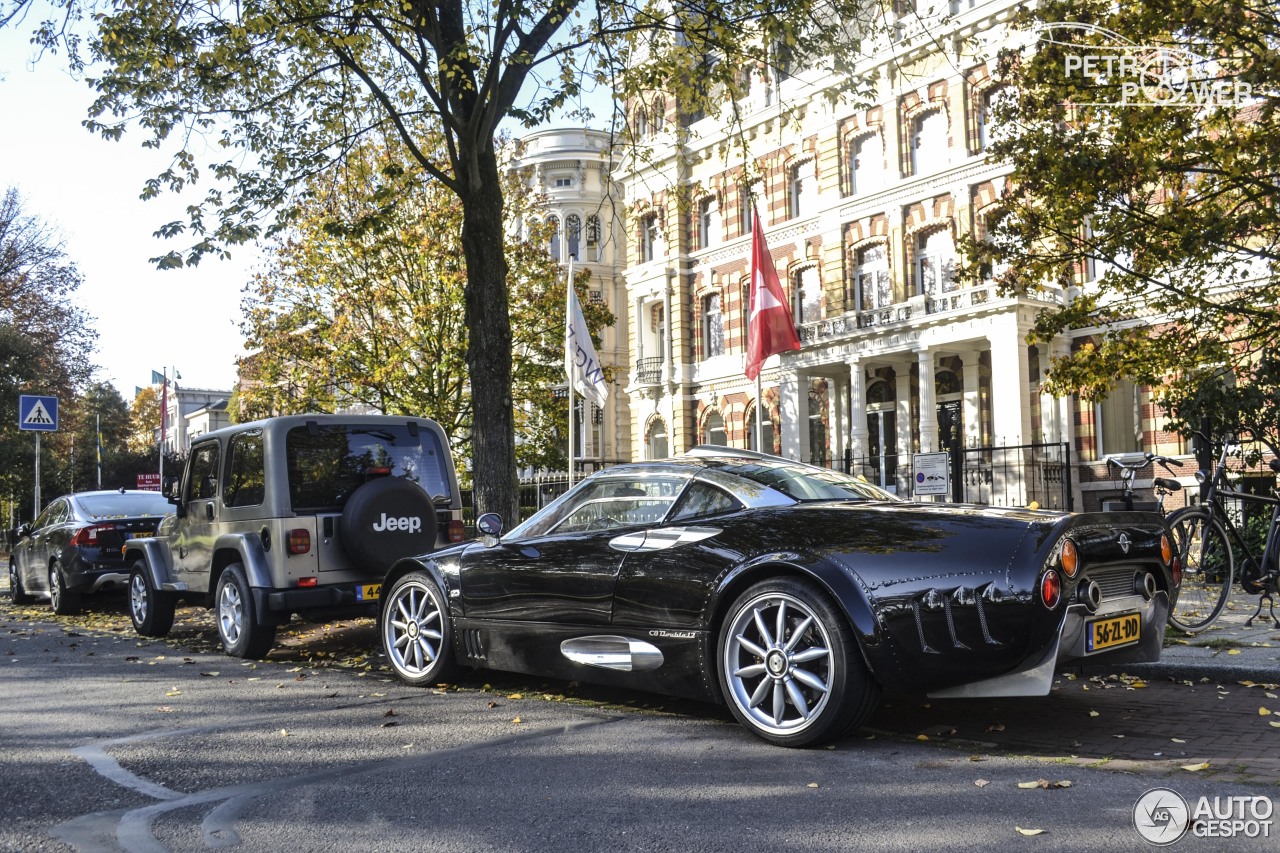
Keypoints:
pixel 489 341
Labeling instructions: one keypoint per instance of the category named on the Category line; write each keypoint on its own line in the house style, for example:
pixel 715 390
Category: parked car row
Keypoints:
pixel 791 593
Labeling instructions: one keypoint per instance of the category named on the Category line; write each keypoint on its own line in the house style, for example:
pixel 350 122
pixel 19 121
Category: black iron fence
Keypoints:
pixel 997 476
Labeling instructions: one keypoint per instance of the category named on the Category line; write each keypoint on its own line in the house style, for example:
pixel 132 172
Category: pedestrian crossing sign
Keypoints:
pixel 38 413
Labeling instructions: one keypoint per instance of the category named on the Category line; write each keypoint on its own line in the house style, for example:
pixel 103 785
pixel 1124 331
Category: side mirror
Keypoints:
pixel 490 526
pixel 172 488
pixel 24 530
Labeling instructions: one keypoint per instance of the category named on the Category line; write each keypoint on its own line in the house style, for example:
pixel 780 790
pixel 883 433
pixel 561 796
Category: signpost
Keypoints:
pixel 39 414
pixel 931 475
pixel 149 482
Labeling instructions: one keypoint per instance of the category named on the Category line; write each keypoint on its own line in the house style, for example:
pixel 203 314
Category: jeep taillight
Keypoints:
pixel 88 536
pixel 456 530
pixel 299 541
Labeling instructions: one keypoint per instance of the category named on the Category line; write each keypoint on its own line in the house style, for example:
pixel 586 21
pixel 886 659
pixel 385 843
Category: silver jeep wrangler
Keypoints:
pixel 296 514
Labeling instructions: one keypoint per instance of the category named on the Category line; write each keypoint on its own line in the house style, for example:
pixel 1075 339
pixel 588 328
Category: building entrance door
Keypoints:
pixel 882 436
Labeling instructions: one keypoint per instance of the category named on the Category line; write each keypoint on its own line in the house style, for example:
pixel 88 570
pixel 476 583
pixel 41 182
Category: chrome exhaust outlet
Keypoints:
pixel 1090 595
pixel 1144 583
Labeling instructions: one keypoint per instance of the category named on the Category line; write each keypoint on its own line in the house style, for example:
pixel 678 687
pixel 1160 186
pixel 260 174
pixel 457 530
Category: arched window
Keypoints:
pixel 807 287
pixel 766 427
pixel 594 247
pixel 554 247
pixel 656 440
pixel 867 156
pixel 936 263
pixel 929 142
pixel 713 430
pixel 573 231
pixel 871 278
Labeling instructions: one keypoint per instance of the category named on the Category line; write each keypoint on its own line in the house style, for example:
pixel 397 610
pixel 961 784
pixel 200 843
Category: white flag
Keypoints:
pixel 581 362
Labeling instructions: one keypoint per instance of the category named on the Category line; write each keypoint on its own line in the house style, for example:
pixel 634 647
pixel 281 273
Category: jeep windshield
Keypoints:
pixel 328 462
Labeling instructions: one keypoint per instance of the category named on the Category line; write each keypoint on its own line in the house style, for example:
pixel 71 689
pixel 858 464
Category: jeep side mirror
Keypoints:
pixel 489 525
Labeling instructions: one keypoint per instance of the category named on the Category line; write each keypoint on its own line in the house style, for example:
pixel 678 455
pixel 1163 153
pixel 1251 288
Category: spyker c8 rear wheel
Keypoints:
pixel 790 667
pixel 417 636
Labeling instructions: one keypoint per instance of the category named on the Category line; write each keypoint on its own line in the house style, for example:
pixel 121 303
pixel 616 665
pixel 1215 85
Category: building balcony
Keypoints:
pixel 649 371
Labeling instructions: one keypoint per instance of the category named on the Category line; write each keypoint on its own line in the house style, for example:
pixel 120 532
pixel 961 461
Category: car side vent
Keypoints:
pixel 473 644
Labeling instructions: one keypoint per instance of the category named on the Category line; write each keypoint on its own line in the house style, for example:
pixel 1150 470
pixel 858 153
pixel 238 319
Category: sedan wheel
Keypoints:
pixel 63 601
pixel 16 592
pixel 417 636
pixel 790 667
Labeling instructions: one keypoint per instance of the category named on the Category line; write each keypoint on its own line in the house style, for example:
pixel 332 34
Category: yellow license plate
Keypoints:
pixel 1114 631
pixel 368 592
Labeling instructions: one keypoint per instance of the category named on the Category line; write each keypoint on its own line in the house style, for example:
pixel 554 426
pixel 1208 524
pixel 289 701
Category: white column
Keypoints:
pixel 793 413
pixel 858 409
pixel 972 398
pixel 1010 409
pixel 837 408
pixel 1060 407
pixel 902 393
pixel 928 403
pixel 668 345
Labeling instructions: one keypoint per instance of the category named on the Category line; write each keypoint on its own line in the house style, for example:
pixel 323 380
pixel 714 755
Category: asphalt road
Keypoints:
pixel 115 743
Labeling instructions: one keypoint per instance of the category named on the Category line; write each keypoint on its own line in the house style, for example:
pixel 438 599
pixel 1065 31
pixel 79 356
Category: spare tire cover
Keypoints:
pixel 387 519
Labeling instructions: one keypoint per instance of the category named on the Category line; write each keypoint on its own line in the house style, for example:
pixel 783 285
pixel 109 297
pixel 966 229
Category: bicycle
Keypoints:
pixel 1202 535
pixel 1130 464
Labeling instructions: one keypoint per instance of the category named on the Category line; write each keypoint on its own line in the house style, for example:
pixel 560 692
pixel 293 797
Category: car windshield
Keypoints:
pixel 806 483
pixel 124 506
pixel 328 462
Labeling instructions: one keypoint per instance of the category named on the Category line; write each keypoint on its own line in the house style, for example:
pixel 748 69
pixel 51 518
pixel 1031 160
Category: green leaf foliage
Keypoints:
pixel 1177 207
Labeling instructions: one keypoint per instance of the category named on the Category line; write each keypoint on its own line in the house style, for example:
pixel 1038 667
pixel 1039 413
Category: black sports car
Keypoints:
pixel 790 592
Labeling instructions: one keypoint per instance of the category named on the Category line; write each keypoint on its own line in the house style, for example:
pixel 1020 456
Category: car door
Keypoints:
pixel 193 532
pixel 34 550
pixel 564 569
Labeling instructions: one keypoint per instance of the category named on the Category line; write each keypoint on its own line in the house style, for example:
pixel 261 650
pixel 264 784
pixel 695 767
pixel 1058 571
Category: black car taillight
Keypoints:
pixel 87 537
pixel 1051 588
pixel 457 531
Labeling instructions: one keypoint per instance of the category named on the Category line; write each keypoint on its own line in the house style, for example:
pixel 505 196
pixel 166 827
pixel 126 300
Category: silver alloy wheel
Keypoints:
pixel 230 613
pixel 413 627
pixel 13 578
pixel 777 663
pixel 138 598
pixel 55 589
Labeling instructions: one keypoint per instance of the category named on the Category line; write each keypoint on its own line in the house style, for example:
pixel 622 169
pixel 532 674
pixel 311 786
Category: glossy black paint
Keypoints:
pixel 938 595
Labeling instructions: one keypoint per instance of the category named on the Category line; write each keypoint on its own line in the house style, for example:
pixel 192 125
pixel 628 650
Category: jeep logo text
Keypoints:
pixel 410 523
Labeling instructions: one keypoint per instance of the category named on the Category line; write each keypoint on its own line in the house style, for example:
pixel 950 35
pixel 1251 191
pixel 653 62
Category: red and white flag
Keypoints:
pixel 770 328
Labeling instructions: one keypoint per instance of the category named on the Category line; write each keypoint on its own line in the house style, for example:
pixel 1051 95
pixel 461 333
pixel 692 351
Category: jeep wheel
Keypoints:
pixel 16 592
pixel 150 610
pixel 63 601
pixel 417 636
pixel 243 636
pixel 385 520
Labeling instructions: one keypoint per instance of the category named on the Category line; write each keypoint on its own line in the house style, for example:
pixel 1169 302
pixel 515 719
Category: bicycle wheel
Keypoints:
pixel 1207 569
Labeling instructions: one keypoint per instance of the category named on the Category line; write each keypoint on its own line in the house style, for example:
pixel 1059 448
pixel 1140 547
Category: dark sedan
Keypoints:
pixel 791 593
pixel 75 547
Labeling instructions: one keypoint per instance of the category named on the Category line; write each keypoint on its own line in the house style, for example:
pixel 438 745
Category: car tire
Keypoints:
pixel 16 592
pixel 789 665
pixel 63 601
pixel 150 609
pixel 242 635
pixel 416 632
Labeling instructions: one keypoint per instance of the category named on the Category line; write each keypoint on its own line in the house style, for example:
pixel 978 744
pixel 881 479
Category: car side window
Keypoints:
pixel 630 502
pixel 202 480
pixel 701 500
pixel 246 470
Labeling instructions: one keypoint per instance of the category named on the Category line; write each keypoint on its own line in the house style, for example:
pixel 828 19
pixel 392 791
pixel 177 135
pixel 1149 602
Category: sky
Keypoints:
pixel 87 188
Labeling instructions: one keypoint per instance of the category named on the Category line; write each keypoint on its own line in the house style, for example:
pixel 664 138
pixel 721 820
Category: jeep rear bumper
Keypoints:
pixel 307 599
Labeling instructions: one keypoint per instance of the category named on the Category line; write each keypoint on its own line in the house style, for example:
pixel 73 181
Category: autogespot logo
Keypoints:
pixel 1161 816
pixel 1124 73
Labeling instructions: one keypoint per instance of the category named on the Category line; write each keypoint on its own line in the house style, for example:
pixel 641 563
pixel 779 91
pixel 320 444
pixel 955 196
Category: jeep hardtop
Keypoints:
pixel 295 514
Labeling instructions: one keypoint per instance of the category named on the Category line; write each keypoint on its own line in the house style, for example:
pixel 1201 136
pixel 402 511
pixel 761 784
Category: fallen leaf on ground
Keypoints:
pixel 516 720
pixel 1022 831
pixel 1177 740
pixel 1204 765
pixel 1264 712
pixel 812 785
pixel 996 727
pixel 1045 783
pixel 1094 714
pixel 1233 651
pixel 981 783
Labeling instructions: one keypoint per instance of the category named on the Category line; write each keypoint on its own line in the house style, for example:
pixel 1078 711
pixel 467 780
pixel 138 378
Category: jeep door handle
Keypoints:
pixel 208 510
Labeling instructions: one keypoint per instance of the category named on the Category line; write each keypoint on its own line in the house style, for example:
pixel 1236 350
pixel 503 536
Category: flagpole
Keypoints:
pixel 568 319
pixel 164 413
pixel 97 420
pixel 759 418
